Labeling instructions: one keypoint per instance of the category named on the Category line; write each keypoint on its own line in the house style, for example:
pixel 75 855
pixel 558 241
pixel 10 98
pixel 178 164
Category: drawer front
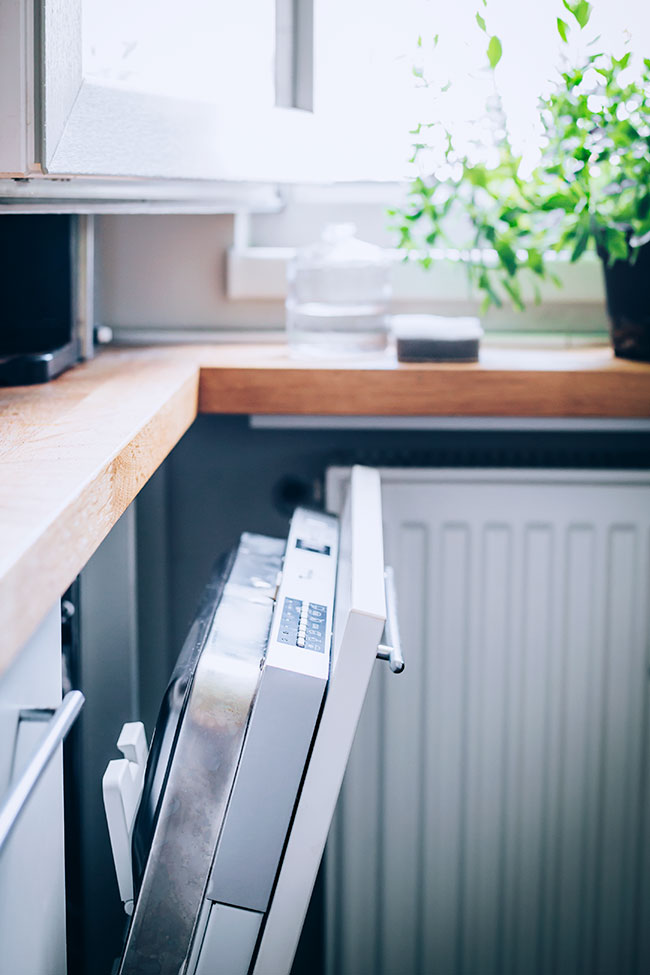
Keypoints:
pixel 32 884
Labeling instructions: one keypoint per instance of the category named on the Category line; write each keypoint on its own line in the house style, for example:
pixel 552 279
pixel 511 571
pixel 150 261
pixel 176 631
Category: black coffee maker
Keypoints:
pixel 37 318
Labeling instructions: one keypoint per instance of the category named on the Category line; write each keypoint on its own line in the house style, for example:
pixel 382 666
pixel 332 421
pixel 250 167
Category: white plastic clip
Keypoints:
pixel 122 788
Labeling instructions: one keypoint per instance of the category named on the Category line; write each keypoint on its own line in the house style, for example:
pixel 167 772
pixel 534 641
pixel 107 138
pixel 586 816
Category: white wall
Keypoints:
pixel 160 271
pixel 169 272
pixel 163 277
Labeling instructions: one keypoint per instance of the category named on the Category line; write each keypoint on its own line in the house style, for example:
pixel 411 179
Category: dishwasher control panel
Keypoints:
pixel 302 621
pixel 303 624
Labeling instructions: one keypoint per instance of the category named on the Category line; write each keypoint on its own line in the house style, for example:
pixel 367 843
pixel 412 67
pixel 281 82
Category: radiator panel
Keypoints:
pixel 494 818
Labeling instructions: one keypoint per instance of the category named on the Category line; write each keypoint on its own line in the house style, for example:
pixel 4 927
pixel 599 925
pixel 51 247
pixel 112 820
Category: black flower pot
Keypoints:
pixel 627 288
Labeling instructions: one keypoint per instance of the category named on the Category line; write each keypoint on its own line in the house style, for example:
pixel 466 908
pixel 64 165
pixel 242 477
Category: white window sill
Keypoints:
pixel 259 274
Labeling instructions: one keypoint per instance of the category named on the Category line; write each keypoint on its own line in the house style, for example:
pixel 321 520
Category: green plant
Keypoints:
pixel 595 167
pixel 591 184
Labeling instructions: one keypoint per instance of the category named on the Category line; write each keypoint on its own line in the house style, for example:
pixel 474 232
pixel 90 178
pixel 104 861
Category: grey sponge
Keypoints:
pixel 430 338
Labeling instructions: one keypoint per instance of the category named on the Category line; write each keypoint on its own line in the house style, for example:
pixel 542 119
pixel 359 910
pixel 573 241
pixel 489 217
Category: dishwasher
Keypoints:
pixel 218 832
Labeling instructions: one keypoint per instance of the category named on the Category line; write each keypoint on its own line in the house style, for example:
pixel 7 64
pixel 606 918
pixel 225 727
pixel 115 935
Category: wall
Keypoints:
pixel 163 277
pixel 168 272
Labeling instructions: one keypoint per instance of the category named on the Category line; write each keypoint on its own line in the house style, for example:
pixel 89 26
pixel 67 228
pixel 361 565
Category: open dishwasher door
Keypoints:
pixel 251 746
pixel 359 621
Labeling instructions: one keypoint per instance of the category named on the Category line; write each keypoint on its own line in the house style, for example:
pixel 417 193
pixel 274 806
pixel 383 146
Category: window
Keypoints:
pixel 368 58
pixel 370 94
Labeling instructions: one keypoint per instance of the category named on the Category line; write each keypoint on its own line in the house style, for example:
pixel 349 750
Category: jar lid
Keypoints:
pixel 339 246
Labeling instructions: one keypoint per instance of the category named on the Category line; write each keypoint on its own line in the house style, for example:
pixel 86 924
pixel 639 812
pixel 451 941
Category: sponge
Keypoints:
pixel 430 338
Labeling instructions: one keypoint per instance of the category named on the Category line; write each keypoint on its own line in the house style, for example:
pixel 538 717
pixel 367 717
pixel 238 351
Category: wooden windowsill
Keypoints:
pixel 587 382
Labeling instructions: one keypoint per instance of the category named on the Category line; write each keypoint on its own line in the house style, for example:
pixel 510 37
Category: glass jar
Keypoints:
pixel 337 296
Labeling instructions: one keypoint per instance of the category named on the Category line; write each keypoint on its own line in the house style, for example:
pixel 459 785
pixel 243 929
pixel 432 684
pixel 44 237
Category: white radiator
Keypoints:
pixel 495 818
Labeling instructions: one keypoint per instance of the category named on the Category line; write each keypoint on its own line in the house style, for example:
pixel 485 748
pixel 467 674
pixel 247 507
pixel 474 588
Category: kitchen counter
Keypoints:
pixel 75 452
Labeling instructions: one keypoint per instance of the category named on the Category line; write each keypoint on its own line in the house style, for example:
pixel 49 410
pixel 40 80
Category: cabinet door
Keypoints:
pixel 196 90
pixel 16 87
pixel 32 892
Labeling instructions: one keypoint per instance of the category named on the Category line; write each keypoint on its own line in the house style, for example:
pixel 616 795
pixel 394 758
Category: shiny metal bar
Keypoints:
pixel 60 722
pixel 83 271
pixel 392 649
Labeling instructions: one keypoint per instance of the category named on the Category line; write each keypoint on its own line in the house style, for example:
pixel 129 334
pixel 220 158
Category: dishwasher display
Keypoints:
pixel 217 834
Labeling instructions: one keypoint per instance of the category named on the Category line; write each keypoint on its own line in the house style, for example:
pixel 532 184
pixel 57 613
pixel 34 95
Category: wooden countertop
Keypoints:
pixel 75 452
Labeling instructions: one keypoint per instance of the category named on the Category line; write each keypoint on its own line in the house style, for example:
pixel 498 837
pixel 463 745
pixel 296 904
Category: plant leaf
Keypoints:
pixel 562 28
pixel 477 175
pixel 485 284
pixel 558 201
pixel 536 261
pixel 582 12
pixel 494 51
pixel 644 206
pixel 616 245
pixel 580 245
pixel 480 22
pixel 507 257
pixel 515 294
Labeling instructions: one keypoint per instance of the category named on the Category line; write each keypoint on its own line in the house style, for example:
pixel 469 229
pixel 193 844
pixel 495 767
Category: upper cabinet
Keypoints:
pixel 158 89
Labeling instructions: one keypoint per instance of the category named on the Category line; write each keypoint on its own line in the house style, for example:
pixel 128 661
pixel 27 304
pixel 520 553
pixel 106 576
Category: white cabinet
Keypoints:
pixel 191 91
pixel 102 658
pixel 32 892
pixel 106 669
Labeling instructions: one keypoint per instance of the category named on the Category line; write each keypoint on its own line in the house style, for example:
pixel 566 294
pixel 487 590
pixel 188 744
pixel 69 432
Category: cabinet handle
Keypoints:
pixel 392 649
pixel 60 721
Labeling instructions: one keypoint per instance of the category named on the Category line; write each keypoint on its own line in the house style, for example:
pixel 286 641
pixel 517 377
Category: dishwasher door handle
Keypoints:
pixel 60 720
pixel 392 649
